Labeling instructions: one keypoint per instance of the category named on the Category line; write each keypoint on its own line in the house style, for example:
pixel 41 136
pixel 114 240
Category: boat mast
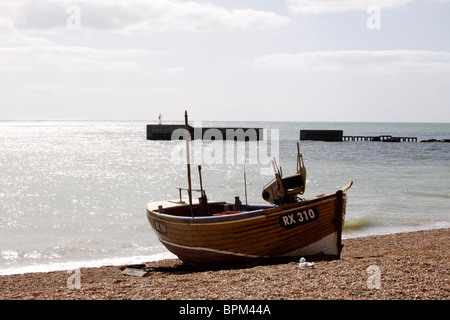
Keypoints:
pixel 188 157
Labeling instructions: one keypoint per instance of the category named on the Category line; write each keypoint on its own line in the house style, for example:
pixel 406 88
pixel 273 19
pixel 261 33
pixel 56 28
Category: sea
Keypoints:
pixel 73 193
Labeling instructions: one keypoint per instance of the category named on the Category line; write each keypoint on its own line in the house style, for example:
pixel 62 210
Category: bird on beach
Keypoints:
pixel 305 265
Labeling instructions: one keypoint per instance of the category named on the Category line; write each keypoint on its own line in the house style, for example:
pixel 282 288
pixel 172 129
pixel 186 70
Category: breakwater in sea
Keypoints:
pixel 177 132
pixel 338 135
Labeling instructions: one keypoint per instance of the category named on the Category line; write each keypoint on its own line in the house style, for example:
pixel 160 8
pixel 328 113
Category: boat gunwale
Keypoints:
pixel 218 218
pixel 270 211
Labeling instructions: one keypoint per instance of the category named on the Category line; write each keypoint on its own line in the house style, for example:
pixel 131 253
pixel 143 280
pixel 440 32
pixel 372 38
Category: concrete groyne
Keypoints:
pixel 321 135
pixel 177 132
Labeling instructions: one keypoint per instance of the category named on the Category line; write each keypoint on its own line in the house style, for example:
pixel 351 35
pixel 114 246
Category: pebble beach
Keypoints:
pixel 401 266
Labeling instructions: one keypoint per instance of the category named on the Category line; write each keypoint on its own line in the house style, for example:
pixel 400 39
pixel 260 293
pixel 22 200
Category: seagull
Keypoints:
pixel 305 265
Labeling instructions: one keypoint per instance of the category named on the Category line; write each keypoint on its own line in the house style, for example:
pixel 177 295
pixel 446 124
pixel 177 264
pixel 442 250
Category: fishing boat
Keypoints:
pixel 221 234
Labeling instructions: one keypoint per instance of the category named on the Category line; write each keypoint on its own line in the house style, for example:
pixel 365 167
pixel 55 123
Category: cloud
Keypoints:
pixel 359 61
pixel 28 53
pixel 141 16
pixel 325 6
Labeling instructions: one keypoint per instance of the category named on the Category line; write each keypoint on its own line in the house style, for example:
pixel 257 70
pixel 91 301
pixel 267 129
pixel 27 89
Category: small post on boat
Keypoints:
pixel 245 186
pixel 203 201
pixel 188 157
pixel 202 194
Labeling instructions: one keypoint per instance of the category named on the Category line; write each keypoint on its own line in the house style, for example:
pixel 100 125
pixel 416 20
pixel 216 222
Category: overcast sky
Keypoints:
pixel 285 60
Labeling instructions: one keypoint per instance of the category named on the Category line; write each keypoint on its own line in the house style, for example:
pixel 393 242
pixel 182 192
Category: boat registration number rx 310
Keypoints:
pixel 299 218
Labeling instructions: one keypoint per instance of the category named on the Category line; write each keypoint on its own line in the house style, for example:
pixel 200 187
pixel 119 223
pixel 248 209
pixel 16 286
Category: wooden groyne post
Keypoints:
pixel 383 138
pixel 337 135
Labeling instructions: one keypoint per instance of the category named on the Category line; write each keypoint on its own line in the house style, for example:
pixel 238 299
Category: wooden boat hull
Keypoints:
pixel 309 228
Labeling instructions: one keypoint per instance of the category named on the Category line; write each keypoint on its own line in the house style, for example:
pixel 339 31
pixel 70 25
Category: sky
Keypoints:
pixel 246 60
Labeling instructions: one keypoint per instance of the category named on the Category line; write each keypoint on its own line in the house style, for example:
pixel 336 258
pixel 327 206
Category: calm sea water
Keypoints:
pixel 73 193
